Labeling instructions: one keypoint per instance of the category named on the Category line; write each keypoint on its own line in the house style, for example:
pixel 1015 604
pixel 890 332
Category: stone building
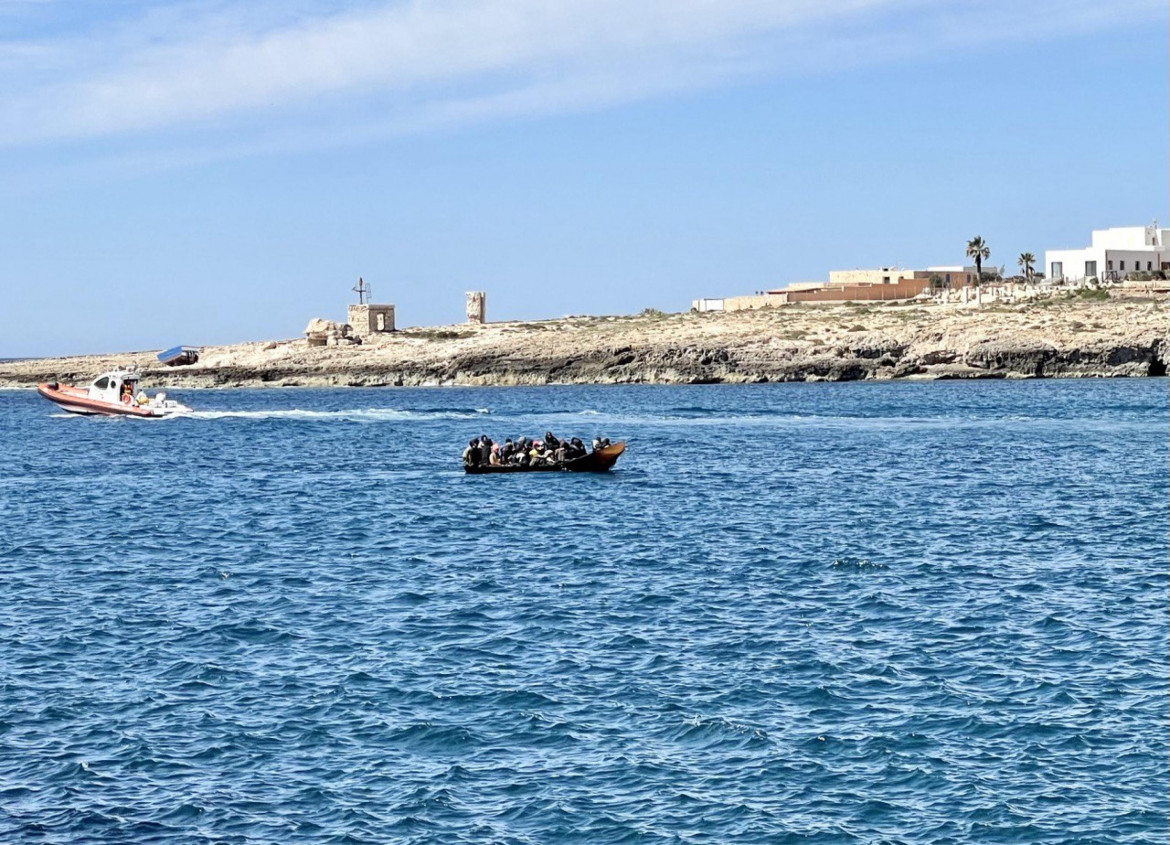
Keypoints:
pixel 368 319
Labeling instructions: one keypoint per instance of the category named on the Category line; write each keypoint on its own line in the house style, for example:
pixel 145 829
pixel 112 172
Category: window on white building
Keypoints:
pixel 1090 268
pixel 1149 265
pixel 1057 270
pixel 1109 264
pixel 1120 265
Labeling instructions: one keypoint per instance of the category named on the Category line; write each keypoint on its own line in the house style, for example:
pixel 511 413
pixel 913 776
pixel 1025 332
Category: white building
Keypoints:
pixel 1113 255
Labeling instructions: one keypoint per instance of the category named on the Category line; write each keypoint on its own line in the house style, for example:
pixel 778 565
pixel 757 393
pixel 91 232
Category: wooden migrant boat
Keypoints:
pixel 599 461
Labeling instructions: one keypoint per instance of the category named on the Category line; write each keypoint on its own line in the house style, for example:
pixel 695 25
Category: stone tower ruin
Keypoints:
pixel 476 307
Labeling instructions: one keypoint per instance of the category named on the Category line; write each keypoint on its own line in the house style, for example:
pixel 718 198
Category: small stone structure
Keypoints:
pixel 328 333
pixel 368 319
pixel 476 307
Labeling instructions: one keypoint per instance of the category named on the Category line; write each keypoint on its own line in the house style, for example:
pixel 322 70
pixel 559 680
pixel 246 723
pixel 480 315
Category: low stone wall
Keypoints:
pixel 754 303
pixel 881 291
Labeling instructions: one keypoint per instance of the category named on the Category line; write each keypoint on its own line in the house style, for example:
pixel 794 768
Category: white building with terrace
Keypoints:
pixel 1114 254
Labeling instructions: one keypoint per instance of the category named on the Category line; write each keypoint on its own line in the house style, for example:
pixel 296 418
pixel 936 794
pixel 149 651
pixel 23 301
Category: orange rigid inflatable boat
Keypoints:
pixel 112 394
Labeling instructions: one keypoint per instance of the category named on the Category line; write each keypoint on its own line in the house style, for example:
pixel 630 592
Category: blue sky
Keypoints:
pixel 208 172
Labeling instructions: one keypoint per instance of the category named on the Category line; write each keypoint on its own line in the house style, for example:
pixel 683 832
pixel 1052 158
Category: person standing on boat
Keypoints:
pixel 471 454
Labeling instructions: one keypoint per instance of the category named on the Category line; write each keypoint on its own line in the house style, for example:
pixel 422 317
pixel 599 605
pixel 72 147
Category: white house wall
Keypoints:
pixel 1130 238
pixel 1073 261
pixel 1117 252
pixel 1129 261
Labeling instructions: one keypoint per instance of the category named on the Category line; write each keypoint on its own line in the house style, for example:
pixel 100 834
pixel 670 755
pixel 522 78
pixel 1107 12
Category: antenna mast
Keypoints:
pixel 362 290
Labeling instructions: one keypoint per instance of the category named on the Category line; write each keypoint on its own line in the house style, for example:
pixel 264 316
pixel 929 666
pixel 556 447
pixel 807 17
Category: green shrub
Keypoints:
pixel 1092 294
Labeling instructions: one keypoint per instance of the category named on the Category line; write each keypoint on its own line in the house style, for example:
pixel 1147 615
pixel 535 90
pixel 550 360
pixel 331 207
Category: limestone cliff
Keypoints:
pixel 1058 337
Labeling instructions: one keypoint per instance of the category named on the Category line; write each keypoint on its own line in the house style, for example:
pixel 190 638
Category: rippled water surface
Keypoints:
pixel 798 613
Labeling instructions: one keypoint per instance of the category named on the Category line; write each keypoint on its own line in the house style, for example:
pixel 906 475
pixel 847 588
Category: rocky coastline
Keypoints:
pixel 1065 336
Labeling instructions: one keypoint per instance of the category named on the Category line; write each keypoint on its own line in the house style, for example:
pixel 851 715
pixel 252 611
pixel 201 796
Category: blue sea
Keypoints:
pixel 824 613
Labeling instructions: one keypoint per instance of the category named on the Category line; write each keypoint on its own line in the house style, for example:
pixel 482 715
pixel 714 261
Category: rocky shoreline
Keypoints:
pixel 1065 336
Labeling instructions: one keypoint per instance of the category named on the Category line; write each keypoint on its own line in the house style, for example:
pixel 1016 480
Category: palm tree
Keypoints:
pixel 978 250
pixel 1026 260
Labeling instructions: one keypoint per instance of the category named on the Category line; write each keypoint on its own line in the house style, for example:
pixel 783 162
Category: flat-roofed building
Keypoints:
pixel 883 283
pixel 1112 255
pixel 954 275
pixel 878 276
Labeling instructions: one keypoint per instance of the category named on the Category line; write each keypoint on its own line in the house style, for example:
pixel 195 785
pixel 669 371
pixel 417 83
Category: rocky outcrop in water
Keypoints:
pixel 1061 337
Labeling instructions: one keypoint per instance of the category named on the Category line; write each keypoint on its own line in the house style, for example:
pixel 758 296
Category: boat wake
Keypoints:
pixel 352 415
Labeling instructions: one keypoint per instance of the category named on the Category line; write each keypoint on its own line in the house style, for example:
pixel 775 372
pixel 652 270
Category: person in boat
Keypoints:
pixel 544 455
pixel 494 455
pixel 471 453
pixel 600 443
pixel 576 449
pixel 550 442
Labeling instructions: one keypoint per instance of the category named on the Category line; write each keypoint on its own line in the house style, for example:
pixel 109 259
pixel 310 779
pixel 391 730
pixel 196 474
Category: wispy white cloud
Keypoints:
pixel 234 72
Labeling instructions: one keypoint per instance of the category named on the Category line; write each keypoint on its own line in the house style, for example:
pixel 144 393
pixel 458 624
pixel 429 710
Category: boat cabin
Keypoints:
pixel 115 386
